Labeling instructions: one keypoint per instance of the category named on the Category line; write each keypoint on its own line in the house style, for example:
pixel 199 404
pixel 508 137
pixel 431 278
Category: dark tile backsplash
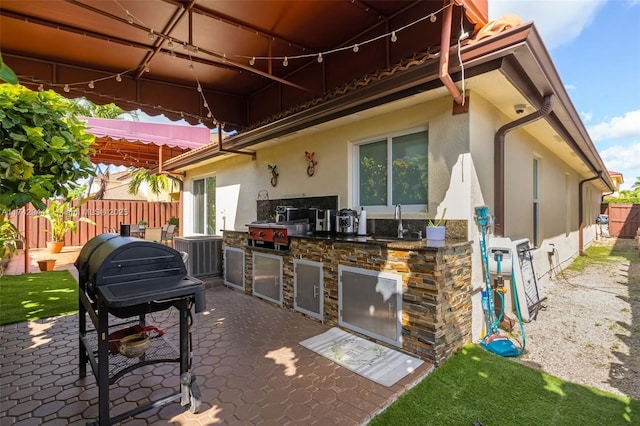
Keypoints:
pixel 266 211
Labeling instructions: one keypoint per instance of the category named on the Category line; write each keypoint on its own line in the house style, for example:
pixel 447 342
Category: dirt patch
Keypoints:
pixel 588 331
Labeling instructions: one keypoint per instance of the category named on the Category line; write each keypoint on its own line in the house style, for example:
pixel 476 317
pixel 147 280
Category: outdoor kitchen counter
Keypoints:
pixel 435 315
pixel 384 241
pixel 377 240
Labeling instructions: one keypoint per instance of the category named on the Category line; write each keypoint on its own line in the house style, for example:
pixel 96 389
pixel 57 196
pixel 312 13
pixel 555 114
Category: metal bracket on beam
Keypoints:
pixel 231 151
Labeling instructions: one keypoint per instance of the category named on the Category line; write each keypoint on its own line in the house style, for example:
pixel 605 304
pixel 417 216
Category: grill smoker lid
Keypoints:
pixel 127 271
pixel 126 259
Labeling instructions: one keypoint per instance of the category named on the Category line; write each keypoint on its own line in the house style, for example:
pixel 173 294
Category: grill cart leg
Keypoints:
pixel 190 390
pixel 103 363
pixel 82 331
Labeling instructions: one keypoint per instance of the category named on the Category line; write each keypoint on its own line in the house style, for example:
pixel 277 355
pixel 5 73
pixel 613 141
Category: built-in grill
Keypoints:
pixel 122 277
pixel 275 235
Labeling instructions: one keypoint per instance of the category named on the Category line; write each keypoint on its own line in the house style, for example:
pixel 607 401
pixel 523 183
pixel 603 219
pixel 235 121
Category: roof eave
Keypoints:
pixel 519 53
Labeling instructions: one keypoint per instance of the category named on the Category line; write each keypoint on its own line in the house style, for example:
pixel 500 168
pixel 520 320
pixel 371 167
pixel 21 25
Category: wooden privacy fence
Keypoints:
pixel 624 219
pixel 107 214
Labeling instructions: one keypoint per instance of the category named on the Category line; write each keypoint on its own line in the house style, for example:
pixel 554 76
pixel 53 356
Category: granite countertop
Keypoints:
pixel 384 241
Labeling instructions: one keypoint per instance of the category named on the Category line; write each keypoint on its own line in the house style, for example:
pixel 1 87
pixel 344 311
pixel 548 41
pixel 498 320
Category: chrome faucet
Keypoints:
pixel 397 215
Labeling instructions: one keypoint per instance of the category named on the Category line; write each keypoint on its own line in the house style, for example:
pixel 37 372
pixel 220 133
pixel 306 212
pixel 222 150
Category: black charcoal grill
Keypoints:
pixel 125 277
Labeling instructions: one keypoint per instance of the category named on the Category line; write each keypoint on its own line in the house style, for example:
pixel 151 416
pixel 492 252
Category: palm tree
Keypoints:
pixel 86 108
pixel 156 183
pixel 636 186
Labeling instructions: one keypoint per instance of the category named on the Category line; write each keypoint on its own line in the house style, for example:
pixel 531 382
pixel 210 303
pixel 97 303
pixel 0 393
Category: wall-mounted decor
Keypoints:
pixel 274 174
pixel 311 163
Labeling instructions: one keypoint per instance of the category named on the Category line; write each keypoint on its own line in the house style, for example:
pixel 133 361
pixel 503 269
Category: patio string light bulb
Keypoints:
pixel 131 19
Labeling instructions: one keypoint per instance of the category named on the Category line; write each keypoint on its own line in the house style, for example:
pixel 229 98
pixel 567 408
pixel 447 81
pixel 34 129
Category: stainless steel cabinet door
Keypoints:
pixel 234 267
pixel 267 276
pixel 308 287
pixel 371 303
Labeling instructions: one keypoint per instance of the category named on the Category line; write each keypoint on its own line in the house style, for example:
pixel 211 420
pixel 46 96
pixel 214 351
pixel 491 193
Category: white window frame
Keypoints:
pixel 356 171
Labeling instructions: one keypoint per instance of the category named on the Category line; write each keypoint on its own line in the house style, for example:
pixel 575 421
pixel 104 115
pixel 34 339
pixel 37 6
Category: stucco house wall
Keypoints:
pixel 460 178
pixel 239 179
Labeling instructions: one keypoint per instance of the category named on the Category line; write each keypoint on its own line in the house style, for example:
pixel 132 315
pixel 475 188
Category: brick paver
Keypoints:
pixel 247 360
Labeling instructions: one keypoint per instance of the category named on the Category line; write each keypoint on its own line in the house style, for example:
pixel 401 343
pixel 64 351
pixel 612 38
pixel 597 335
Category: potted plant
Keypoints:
pixel 436 228
pixel 62 217
pixel 10 239
pixel 174 221
pixel 46 264
pixel 142 224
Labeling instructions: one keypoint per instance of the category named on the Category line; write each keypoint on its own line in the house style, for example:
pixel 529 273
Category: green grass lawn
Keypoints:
pixel 477 386
pixel 602 252
pixel 30 297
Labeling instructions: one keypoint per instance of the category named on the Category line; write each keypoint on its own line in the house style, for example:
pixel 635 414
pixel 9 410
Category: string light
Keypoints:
pixel 205 104
pixel 131 19
pixel 393 35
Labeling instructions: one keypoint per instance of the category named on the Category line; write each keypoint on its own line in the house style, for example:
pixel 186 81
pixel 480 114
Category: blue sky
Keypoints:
pixel 595 46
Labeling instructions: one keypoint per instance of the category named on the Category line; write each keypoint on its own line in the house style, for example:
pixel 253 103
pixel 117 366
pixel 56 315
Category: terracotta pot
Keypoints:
pixel 46 264
pixel 55 246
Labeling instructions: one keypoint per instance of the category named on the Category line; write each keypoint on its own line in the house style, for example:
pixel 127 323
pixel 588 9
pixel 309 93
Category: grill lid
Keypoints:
pixel 111 259
pixel 128 271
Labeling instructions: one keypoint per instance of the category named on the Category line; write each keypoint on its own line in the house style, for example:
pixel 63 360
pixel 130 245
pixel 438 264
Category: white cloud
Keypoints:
pixel 625 160
pixel 587 116
pixel 558 21
pixel 617 128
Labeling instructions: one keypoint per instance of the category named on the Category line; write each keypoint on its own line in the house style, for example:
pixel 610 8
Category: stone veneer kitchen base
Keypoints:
pixel 436 284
